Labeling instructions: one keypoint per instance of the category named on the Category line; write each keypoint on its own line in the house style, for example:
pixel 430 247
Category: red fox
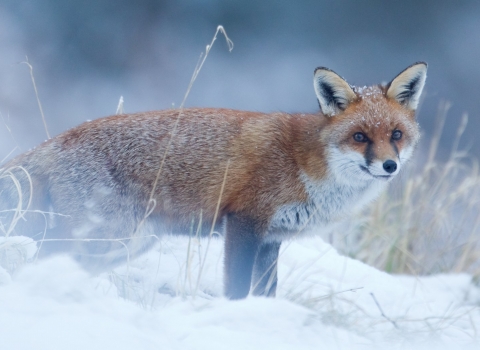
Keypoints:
pixel 113 183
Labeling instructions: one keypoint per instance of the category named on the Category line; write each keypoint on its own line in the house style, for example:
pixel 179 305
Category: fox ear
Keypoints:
pixel 333 92
pixel 407 87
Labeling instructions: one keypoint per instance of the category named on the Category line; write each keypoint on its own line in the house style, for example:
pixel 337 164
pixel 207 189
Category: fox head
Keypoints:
pixel 371 131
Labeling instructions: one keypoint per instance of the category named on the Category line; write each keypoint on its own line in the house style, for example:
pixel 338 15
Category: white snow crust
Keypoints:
pixel 324 301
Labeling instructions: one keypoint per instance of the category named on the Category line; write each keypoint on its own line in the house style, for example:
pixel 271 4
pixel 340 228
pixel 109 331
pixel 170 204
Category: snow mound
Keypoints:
pixel 171 299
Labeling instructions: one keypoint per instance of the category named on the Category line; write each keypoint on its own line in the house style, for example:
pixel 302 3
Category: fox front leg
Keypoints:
pixel 241 246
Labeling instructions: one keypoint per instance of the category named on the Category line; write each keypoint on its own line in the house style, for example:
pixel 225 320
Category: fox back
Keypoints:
pixel 104 189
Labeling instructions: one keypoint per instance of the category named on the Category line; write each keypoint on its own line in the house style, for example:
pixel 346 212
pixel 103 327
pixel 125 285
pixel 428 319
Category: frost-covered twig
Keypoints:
pixel 382 313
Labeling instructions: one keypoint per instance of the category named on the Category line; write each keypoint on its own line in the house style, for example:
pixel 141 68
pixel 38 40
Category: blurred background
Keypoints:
pixel 86 54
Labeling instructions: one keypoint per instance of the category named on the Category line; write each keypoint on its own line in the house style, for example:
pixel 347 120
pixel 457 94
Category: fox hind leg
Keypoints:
pixel 265 270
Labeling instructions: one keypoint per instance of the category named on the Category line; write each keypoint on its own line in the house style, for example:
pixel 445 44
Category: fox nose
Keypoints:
pixel 390 166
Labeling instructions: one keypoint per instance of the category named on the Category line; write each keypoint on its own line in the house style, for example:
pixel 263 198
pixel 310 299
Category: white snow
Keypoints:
pixel 325 301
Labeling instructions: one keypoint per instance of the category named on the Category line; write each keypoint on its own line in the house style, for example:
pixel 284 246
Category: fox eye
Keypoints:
pixel 396 135
pixel 360 137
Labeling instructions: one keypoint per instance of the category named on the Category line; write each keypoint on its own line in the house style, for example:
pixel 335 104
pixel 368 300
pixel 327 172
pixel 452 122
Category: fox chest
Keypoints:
pixel 328 202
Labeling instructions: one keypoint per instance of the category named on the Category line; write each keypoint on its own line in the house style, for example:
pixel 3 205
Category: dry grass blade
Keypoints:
pixel 13 138
pixel 19 211
pixel 36 94
pixel 213 226
pixel 151 201
pixel 120 106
